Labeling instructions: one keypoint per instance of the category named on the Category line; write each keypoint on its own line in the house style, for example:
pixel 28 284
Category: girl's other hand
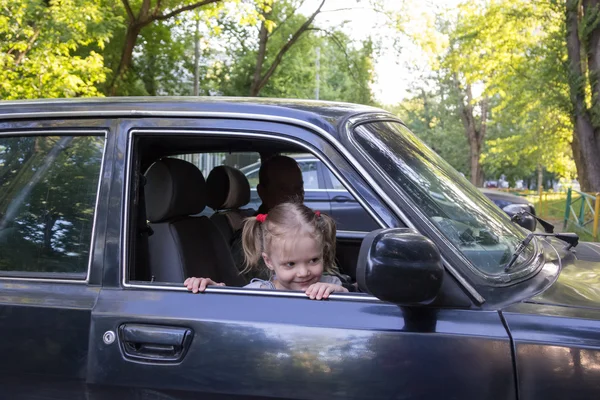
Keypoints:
pixel 199 284
pixel 322 290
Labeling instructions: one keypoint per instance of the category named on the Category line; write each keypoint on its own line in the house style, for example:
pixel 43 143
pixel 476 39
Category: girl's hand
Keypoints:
pixel 199 284
pixel 322 290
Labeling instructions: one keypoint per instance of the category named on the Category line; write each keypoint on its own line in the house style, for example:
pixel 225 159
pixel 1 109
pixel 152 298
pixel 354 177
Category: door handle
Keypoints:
pixel 154 343
pixel 341 199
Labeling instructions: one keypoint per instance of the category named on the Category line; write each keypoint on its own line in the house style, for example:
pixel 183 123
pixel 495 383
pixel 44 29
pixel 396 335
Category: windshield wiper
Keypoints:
pixel 571 238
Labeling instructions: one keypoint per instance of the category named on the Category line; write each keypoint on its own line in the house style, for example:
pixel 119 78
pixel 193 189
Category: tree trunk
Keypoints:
pixel 131 36
pixel 474 135
pixel 263 37
pixel 540 178
pixel 579 164
pixel 586 145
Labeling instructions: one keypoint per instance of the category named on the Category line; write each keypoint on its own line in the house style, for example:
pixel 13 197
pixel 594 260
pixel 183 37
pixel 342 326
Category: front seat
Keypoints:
pixel 228 190
pixel 183 245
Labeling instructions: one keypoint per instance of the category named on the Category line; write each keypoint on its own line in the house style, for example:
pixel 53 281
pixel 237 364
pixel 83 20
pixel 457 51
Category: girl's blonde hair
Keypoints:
pixel 290 220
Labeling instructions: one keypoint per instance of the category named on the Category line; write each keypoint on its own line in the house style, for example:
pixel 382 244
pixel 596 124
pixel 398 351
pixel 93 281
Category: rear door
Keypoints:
pixel 50 243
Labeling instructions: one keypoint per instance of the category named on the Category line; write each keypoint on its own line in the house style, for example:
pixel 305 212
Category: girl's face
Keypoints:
pixel 298 265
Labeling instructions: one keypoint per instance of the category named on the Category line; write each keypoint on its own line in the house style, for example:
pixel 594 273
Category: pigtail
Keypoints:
pixel 252 239
pixel 326 225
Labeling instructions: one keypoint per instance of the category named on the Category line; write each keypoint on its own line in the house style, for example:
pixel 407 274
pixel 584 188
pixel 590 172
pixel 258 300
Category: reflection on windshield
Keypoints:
pixel 461 213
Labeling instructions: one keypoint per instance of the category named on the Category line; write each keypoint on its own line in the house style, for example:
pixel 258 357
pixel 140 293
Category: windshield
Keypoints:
pixel 470 221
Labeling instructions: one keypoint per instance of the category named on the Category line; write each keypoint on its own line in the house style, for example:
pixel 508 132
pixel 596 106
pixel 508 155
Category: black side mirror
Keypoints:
pixel 524 219
pixel 400 266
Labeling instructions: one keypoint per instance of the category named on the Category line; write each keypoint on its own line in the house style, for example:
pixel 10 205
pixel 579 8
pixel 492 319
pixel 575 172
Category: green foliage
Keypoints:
pixel 514 50
pixel 46 47
pixel 345 71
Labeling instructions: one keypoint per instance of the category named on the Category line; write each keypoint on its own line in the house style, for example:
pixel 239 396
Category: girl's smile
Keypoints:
pixel 296 262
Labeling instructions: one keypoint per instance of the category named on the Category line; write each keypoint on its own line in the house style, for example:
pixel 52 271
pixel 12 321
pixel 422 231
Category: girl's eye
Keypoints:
pixel 314 261
pixel 290 264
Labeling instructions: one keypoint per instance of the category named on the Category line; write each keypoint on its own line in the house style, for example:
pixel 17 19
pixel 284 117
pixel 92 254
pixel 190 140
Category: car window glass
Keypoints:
pixel 309 174
pixel 335 183
pixel 244 161
pixel 460 211
pixel 48 188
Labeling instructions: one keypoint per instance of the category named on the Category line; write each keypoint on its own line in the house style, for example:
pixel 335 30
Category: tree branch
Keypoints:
pixel 156 9
pixel 290 15
pixel 339 43
pixel 287 46
pixel 129 10
pixel 21 55
pixel 186 8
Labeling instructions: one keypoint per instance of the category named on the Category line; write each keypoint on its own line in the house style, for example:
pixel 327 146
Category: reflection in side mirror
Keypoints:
pixel 525 220
pixel 400 266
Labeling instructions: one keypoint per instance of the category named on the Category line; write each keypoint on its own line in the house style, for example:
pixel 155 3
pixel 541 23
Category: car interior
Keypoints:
pixel 182 221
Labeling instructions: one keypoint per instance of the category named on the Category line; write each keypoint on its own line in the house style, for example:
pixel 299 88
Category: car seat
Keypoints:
pixel 184 245
pixel 228 191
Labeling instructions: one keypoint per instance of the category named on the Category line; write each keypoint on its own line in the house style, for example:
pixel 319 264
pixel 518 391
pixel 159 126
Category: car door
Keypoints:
pixel 50 241
pixel 160 340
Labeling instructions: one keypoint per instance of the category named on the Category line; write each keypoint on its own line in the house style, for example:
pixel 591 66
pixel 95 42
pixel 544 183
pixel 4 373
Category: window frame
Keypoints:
pixel 134 133
pixel 58 277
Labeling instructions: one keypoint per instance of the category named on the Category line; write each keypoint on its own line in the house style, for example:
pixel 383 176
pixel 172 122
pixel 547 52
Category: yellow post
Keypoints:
pixel 540 192
pixel 596 214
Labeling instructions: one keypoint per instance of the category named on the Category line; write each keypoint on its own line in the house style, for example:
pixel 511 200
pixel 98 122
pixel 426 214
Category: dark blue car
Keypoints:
pixel 103 215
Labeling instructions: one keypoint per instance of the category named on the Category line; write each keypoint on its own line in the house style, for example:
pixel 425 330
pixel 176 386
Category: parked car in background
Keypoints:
pixel 510 203
pixel 99 229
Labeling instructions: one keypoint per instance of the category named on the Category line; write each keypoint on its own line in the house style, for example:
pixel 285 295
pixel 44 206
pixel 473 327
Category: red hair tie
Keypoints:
pixel 261 218
pixel 318 213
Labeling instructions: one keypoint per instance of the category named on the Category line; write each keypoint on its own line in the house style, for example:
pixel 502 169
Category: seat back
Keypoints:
pixel 228 191
pixel 183 245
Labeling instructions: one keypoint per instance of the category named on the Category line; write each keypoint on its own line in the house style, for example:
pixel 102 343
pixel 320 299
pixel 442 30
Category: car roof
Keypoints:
pixel 325 114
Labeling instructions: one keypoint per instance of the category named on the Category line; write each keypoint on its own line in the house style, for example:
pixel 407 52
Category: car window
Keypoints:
pixel 309 174
pixel 244 161
pixel 48 188
pixel 461 212
pixel 335 183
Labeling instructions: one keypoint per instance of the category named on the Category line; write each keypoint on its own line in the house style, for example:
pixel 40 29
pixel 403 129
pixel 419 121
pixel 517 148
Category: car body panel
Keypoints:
pixel 305 349
pixel 557 351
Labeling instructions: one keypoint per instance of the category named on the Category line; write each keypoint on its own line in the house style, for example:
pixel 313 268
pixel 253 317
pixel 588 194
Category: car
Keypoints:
pixel 100 222
pixel 322 191
pixel 510 203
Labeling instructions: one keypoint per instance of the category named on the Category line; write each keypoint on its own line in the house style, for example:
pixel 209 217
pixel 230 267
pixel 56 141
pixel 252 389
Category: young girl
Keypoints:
pixel 297 246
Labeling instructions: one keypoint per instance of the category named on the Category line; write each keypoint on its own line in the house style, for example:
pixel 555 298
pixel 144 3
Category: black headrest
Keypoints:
pixel 228 188
pixel 174 188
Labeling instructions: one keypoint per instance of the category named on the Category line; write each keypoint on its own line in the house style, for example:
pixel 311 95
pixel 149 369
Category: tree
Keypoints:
pixel 583 50
pixel 345 70
pixel 266 31
pixel 145 15
pixel 509 48
pixel 47 47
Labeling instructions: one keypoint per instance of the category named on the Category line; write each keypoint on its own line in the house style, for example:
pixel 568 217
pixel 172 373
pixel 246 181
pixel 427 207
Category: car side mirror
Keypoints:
pixel 525 219
pixel 400 266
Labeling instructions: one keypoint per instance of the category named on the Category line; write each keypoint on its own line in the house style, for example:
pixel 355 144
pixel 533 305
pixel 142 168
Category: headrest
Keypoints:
pixel 227 188
pixel 174 188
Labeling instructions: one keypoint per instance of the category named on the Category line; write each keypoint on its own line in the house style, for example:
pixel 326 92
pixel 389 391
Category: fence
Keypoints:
pixel 574 210
pixel 584 208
